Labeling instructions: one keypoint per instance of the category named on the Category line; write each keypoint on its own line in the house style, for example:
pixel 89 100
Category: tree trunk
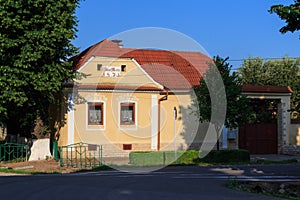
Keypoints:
pixel 218 128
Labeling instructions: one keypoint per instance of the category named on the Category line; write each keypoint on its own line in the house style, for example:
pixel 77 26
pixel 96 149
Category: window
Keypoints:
pixel 123 68
pixel 95 113
pixel 99 67
pixel 127 113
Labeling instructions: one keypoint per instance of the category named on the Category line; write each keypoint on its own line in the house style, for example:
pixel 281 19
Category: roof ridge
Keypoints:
pixel 168 50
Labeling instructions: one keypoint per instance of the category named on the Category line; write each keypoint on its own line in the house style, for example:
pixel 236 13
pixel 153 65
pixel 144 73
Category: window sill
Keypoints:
pixel 128 127
pixel 95 127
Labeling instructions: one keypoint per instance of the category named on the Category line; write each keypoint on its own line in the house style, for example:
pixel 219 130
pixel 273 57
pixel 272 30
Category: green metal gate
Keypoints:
pixel 81 155
pixel 13 152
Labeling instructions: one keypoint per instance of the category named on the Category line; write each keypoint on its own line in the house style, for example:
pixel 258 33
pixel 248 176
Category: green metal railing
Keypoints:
pixel 13 152
pixel 81 155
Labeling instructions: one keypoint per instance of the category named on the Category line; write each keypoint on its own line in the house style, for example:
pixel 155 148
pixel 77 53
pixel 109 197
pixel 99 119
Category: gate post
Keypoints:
pixel 55 150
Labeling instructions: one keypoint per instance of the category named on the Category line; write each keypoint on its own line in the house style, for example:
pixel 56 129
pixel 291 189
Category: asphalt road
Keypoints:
pixel 168 183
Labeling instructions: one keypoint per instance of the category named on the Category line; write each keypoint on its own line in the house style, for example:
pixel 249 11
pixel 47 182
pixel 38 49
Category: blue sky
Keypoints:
pixel 230 28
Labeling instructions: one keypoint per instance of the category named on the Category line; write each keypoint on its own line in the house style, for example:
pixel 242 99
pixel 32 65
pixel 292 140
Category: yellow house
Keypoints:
pixel 133 99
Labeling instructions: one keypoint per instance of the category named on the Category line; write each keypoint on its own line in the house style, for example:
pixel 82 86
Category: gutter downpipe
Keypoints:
pixel 164 98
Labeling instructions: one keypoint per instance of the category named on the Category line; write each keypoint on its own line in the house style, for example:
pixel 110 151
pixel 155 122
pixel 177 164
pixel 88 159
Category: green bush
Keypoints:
pixel 226 156
pixel 163 157
pixel 150 158
pixel 189 157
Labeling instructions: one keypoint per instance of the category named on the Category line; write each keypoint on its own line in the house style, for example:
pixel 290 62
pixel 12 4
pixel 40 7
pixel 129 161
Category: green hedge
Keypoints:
pixel 226 156
pixel 190 157
pixel 163 157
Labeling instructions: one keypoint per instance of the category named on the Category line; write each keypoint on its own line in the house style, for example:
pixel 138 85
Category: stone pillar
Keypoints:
pixel 286 119
pixel 280 129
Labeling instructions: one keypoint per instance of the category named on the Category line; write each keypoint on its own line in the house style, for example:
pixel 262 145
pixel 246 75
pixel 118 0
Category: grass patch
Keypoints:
pixel 17 171
pixel 232 183
pixel 9 170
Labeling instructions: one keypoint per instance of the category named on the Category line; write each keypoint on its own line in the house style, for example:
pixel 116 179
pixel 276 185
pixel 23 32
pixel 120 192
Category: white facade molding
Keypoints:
pixel 147 75
pixel 96 97
pixel 71 118
pixel 131 126
pixel 86 63
pixel 266 95
pixel 154 122
pixel 126 97
pixel 95 127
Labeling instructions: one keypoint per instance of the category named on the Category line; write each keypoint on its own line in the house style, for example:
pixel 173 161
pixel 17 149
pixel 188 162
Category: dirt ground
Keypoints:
pixel 46 166
pixel 51 166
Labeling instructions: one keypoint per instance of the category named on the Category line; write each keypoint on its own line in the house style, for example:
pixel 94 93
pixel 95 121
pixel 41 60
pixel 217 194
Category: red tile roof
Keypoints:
pixel 169 68
pixel 266 89
pixel 172 69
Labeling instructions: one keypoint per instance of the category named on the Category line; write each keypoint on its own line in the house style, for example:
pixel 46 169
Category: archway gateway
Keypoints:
pixel 267 138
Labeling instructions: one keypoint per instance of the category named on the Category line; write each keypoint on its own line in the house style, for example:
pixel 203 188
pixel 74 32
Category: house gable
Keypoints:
pixel 115 73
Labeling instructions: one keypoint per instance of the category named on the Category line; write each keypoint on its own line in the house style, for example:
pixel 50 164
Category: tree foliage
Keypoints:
pixel 284 72
pixel 35 39
pixel 291 15
pixel 237 111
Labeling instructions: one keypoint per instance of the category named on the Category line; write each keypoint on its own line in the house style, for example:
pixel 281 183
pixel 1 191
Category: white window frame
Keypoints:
pixel 129 126
pixel 95 127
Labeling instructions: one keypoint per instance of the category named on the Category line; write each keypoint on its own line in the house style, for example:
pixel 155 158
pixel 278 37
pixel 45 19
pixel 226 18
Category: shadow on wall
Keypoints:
pixel 58 113
pixel 194 132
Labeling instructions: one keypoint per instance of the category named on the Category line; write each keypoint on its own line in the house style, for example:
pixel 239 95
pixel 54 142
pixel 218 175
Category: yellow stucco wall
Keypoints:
pixel 133 75
pixel 294 134
pixel 186 123
pixel 112 132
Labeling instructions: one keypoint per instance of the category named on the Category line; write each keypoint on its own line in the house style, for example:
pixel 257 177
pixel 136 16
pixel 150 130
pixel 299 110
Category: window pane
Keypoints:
pixel 127 113
pixel 95 114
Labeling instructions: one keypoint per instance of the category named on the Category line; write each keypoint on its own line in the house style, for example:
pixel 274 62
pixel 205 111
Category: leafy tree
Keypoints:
pixel 291 15
pixel 237 111
pixel 35 44
pixel 284 72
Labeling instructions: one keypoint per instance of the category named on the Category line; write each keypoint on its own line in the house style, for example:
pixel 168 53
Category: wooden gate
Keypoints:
pixel 259 138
